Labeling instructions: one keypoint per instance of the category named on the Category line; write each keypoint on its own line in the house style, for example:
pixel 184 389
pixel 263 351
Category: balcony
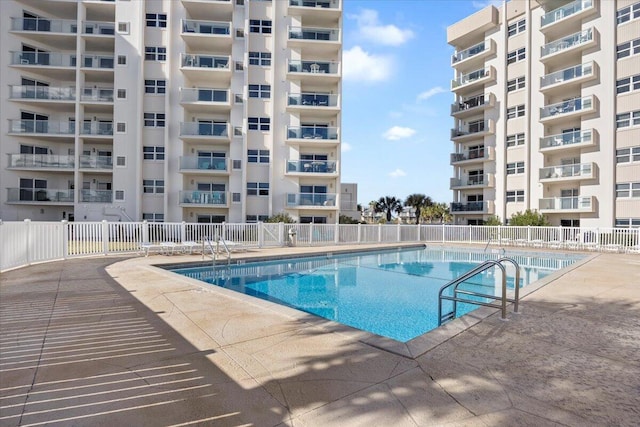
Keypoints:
pixel 568 109
pixel 324 104
pixel 473 105
pixel 52 32
pixel 206 67
pixel 48 128
pixel 474 130
pixel 97 95
pixel 475 54
pixel 314 72
pixel 51 162
pixel 210 199
pixel 570 140
pixel 97 62
pixel 316 136
pixel 324 8
pixel 96 162
pixel 96 196
pixel 54 65
pixel 568 77
pixel 207 35
pixel 569 13
pixel 43 94
pixel 473 208
pixel 473 156
pixel 205 100
pixel 567 204
pixel 556 50
pixel 317 40
pixel 204 131
pixel 209 9
pixel 473 79
pixel 311 167
pixel 564 173
pixel 97 129
pixel 474 181
pixel 311 200
pixel 204 165
pixel 39 196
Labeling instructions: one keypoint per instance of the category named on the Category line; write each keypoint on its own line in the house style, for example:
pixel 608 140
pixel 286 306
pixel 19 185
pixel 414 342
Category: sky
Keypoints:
pixel 396 96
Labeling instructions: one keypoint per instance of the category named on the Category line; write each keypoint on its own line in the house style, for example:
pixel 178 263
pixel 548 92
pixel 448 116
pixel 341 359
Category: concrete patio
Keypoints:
pixel 113 341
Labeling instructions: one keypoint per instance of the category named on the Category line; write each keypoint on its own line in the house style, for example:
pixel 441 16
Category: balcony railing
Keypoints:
pixel 312 99
pixel 204 95
pixel 567 139
pixel 470 77
pixel 315 34
pixel 98 28
pixel 311 199
pixel 190 26
pixel 97 128
pixel 583 203
pixel 469 207
pixel 324 4
pixel 470 129
pixel 568 42
pixel 567 74
pixel 42 93
pixel 581 170
pixel 564 12
pixel 97 61
pixel 313 67
pixel 44 127
pixel 209 198
pixel 311 166
pixel 96 196
pixel 566 107
pixel 204 129
pixel 48 59
pixel 312 132
pixel 203 163
pixel 97 94
pixel 41 195
pixel 45 25
pixel 468 53
pixel 96 162
pixel 205 61
pixel 477 154
pixel 473 102
pixel 50 161
pixel 470 181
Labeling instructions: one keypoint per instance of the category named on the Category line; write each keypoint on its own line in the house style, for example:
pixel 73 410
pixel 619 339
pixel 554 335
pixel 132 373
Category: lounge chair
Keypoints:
pixel 189 246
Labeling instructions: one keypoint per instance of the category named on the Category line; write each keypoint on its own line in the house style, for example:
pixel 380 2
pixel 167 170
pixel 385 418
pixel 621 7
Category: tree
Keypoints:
pixel 418 202
pixel 528 217
pixel 281 217
pixel 344 219
pixel 492 220
pixel 438 211
pixel 388 205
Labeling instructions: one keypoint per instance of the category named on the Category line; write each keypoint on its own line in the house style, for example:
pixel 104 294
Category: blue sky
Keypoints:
pixel 396 97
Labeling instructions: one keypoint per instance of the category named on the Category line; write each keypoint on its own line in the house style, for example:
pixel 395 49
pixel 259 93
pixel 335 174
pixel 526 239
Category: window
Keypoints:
pixel 515 168
pixel 236 197
pixel 123 27
pixel 260 58
pixel 624 120
pixel 237 164
pixel 153 153
pixel 121 94
pixel 313 220
pixel 256 218
pixel 121 127
pixel 259 123
pixel 153 217
pixel 628 84
pixel 257 188
pixel 517 111
pixel 151 186
pixel 157 20
pixel 259 91
pixel 122 60
pixel 121 161
pixel 258 156
pixel 516 84
pixel 515 196
pixel 628 189
pixel 155 53
pixel 119 195
pixel 260 26
pixel 516 55
pixel 628 13
pixel 211 219
pixel 154 120
pixel 155 86
pixel 517 27
pixel 628 222
pixel 627 49
pixel 514 140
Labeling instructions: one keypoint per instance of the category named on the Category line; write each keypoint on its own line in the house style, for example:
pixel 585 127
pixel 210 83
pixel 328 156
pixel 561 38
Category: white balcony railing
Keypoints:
pixel 580 203
pixel 97 94
pixel 205 198
pixel 39 195
pixel 42 93
pixel 313 67
pixel 565 11
pixel 190 26
pixel 96 196
pixel 314 34
pixel 312 166
pixel 471 77
pixel 567 139
pixel 568 74
pixel 579 170
pixel 312 132
pixel 204 129
pixel 188 95
pixel 43 59
pixel 44 25
pixel 205 61
pixel 470 52
pixel 567 107
pixel 48 161
pixel 311 199
pixel 567 42
pixel 96 162
pixel 212 164
pixel 43 127
pixel 312 99
pixel 98 28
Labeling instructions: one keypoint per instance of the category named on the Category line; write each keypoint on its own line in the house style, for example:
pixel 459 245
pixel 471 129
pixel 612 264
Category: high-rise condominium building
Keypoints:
pixel 170 110
pixel 547 112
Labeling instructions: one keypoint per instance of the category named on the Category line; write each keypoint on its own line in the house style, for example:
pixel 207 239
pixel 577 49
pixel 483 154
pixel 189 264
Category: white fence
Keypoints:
pixel 27 242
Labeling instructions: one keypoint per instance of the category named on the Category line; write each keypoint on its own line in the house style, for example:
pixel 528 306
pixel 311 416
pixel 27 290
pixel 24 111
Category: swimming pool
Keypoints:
pixel 392 293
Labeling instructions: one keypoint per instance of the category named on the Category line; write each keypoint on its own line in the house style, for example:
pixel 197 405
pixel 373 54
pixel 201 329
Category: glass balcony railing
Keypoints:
pixel 96 162
pixel 566 203
pixel 568 42
pixel 469 181
pixel 312 132
pixel 567 139
pixel 568 74
pixel 470 77
pixel 208 198
pixel 311 199
pixel 42 195
pixel 469 155
pixel 324 4
pixel 311 166
pixel 190 26
pixel 97 128
pixel 188 95
pixel 43 93
pixel 97 94
pixel 48 59
pixel 470 128
pixel 45 25
pixel 205 61
pixel 316 34
pixel 565 11
pixel 468 53
pixel 96 196
pixel 312 99
pixel 97 61
pixel 98 28
pixel 584 170
pixel 44 127
pixel 313 67
pixel 566 107
pixel 51 161
pixel 203 163
pixel 204 129
pixel 469 207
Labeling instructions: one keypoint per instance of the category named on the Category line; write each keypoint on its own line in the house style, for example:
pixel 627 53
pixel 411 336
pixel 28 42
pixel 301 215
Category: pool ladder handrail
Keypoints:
pixel 207 242
pixel 473 272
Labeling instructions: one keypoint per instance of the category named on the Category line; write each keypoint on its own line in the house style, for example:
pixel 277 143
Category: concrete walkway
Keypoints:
pixel 108 342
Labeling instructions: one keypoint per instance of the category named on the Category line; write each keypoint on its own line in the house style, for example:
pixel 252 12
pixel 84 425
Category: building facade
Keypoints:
pixel 170 110
pixel 547 112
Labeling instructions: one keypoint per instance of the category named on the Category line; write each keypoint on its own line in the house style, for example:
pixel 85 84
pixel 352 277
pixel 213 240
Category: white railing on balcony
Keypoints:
pixel 203 163
pixel 569 138
pixel 311 199
pixel 98 28
pixel 469 52
pixel 567 42
pixel 566 107
pixel 96 162
pixel 97 128
pixel 205 61
pixel 470 77
pixel 96 196
pixel 565 11
pixel 312 132
pixel 471 181
pixel 45 127
pixel 312 99
pixel 202 94
pixel 103 62
pixel 190 26
pixel 313 67
pixel 204 129
pixel 321 4
pixel 40 195
pixel 567 74
pixel 314 34
pixel 196 197
pixel 312 166
pixel 566 203
pixel 65 26
pixel 57 161
pixel 470 128
pixel 582 170
pixel 45 59
pixel 97 94
pixel 44 93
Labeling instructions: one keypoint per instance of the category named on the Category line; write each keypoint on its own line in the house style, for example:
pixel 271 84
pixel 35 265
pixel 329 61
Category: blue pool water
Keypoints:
pixel 393 293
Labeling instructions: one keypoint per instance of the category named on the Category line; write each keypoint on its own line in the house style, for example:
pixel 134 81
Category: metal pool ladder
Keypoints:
pixel 207 242
pixel 442 318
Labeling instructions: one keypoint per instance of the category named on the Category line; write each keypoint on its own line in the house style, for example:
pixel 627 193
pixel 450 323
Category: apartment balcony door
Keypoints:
pixel 34 123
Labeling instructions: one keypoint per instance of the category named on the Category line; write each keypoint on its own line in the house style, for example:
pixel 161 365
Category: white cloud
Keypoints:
pixel 397 173
pixel 345 146
pixel 398 132
pixel 372 30
pixel 362 66
pixel 429 93
pixel 481 4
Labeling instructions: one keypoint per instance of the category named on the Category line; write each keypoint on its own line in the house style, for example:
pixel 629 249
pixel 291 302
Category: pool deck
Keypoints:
pixel 115 341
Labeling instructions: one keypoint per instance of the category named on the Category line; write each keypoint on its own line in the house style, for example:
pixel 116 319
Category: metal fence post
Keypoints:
pixel 105 237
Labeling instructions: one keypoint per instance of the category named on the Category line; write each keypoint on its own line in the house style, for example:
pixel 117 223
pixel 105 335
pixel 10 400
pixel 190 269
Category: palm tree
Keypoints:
pixel 438 211
pixel 418 202
pixel 388 205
